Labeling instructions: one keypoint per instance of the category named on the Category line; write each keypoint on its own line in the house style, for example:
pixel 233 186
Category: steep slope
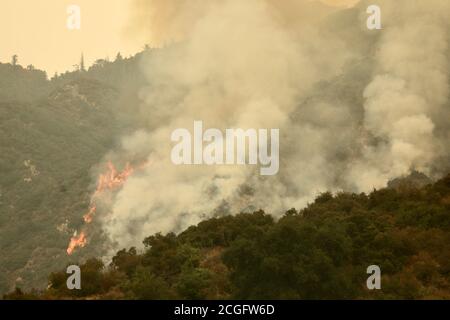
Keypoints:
pixel 53 134
pixel 48 148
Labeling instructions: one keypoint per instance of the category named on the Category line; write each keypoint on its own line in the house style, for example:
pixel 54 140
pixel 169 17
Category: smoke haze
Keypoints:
pixel 355 108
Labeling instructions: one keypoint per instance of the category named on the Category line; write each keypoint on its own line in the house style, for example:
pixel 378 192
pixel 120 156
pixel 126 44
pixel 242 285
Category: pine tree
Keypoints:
pixel 82 63
pixel 14 60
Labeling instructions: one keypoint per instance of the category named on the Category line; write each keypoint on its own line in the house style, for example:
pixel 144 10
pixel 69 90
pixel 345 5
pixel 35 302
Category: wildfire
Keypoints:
pixel 113 179
pixel 76 241
pixel 88 217
pixel 110 180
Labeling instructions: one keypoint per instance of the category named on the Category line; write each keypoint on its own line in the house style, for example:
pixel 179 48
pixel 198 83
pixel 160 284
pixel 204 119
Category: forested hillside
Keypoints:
pixel 320 252
pixel 52 134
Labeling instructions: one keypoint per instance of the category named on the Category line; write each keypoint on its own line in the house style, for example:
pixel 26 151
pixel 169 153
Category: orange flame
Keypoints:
pixel 88 217
pixel 76 241
pixel 110 180
pixel 113 179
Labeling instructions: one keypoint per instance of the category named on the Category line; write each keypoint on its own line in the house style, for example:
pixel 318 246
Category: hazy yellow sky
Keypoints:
pixel 345 3
pixel 36 31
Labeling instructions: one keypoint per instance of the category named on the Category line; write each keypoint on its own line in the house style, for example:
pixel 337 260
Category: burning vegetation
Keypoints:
pixel 76 241
pixel 111 180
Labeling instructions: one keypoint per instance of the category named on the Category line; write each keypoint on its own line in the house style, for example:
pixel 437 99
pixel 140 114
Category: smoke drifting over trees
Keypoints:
pixel 355 107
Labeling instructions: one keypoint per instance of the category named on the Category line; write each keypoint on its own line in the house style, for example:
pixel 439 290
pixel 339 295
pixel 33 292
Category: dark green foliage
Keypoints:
pixel 320 252
pixel 126 261
pixel 144 285
pixel 223 231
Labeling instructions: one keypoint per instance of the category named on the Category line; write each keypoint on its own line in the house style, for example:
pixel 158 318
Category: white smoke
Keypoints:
pixel 349 118
pixel 408 94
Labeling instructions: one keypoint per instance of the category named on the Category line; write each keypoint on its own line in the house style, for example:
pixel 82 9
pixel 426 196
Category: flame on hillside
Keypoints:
pixel 76 241
pixel 111 180
pixel 88 217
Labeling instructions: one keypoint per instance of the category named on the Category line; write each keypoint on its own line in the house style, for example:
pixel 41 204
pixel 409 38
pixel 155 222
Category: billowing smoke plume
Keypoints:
pixel 407 98
pixel 355 107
